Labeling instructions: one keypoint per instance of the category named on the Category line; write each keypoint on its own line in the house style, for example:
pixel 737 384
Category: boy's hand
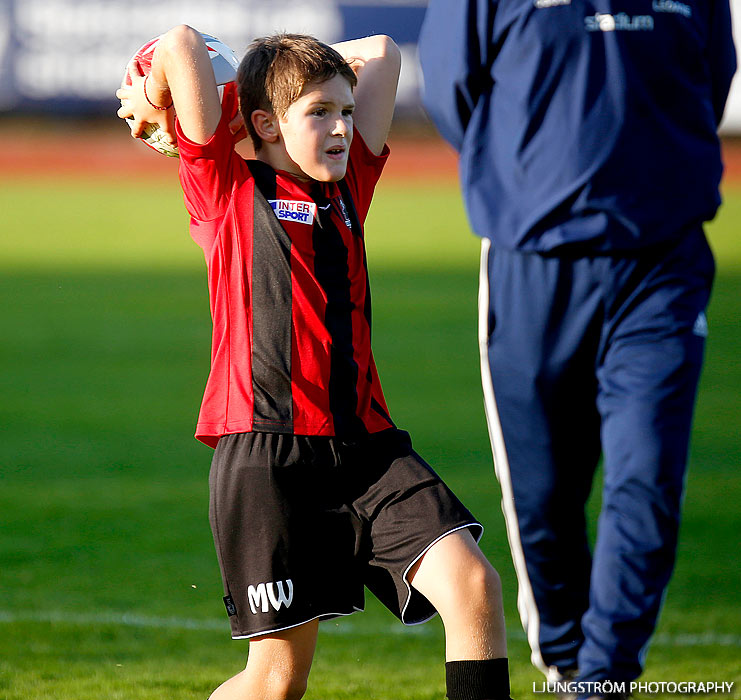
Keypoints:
pixel 376 61
pixel 237 128
pixel 136 106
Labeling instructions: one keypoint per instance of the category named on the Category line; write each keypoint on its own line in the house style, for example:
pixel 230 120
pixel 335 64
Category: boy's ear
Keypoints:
pixel 265 124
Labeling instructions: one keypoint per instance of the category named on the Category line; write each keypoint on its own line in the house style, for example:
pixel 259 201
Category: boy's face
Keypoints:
pixel 317 130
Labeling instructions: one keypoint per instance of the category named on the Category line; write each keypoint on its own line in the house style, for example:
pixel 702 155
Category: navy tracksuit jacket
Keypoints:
pixel 589 161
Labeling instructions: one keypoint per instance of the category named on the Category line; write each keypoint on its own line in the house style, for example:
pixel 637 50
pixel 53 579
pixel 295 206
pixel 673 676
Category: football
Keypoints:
pixel 224 62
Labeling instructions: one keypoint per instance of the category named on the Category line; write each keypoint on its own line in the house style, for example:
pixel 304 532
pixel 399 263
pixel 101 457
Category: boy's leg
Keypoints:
pixel 424 559
pixel 464 588
pixel 277 668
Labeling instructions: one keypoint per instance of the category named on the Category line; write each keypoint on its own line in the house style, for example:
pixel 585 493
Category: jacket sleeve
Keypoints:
pixel 455 52
pixel 721 54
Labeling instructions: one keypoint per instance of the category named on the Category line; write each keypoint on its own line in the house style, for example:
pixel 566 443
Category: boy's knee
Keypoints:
pixel 291 689
pixel 278 665
pixel 455 572
pixel 283 686
pixel 266 684
pixel 471 611
pixel 483 583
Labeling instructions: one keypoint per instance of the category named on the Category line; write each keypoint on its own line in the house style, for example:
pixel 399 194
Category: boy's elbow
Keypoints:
pixel 180 36
pixel 374 47
pixel 387 53
pixel 182 31
pixel 388 49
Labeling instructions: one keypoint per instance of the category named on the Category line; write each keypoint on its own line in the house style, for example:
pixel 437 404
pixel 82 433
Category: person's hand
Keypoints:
pixel 237 128
pixel 142 103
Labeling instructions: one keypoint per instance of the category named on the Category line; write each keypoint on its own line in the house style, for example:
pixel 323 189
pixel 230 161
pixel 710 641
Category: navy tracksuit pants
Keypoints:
pixel 585 356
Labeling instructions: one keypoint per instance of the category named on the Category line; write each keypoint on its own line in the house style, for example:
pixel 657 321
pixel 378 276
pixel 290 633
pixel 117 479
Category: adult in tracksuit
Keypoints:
pixel 589 160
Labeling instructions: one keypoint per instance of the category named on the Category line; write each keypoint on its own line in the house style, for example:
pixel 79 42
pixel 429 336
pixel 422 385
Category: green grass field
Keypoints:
pixel 109 586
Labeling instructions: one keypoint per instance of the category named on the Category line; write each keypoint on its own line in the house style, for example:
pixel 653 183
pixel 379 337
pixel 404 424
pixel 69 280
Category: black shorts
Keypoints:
pixel 302 523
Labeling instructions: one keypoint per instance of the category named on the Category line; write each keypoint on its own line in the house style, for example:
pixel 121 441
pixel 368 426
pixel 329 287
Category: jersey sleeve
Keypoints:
pixel 364 169
pixel 207 170
pixel 454 50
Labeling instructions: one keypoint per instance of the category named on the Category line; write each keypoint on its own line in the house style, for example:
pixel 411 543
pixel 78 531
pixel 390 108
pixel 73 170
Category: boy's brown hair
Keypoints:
pixel 275 70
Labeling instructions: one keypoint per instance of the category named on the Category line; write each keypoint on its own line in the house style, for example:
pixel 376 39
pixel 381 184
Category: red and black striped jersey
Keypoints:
pixel 289 293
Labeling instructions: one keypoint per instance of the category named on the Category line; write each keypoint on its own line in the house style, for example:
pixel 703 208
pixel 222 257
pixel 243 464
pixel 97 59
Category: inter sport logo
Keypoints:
pixel 292 210
pixel 274 592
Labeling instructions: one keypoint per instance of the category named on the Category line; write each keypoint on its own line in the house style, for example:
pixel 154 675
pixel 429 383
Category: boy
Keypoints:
pixel 314 492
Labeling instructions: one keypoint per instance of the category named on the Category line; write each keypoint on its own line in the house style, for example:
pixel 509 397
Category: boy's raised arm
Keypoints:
pixel 181 75
pixel 376 61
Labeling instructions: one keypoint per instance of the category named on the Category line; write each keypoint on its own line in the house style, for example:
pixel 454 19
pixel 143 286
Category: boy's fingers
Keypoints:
pixel 239 135
pixel 167 126
pixel 170 135
pixel 236 124
pixel 238 128
pixel 136 126
pixel 135 70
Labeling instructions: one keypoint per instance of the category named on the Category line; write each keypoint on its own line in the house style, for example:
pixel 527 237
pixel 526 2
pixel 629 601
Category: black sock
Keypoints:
pixel 477 680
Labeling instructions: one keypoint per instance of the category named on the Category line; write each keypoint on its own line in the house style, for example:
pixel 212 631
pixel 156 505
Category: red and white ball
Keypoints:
pixel 224 62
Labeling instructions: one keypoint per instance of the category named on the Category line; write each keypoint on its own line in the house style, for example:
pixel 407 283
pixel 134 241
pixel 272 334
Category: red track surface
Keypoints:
pixel 110 153
pixel 106 153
